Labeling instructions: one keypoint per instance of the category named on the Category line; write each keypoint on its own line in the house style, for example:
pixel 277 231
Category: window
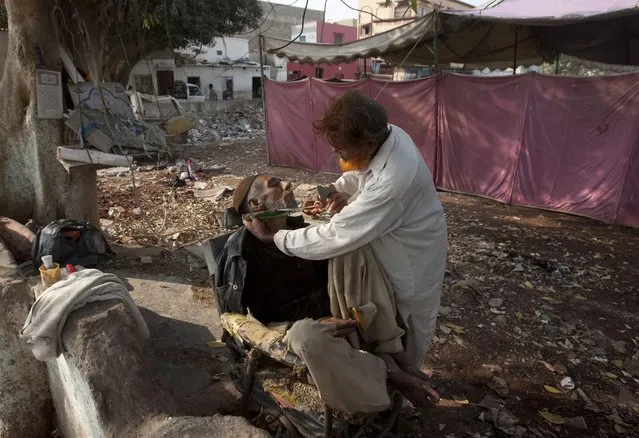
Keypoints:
pixel 302 39
pixel 195 80
pixel 366 30
pixel 143 84
pixel 338 37
pixel 319 72
pixel 220 53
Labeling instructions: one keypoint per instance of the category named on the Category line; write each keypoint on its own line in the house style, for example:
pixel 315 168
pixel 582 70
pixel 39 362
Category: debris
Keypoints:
pixel 584 397
pixel 496 302
pixel 147 260
pixel 567 383
pixel 560 368
pixel 493 368
pixel 609 375
pixel 490 402
pixel 79 157
pixel 445 311
pixel 577 423
pixel 506 422
pixel 632 366
pixel 445 330
pixel 499 385
pixel 567 344
pixel 222 358
pixel 625 398
pixel 200 185
pixel 528 285
pixel 551 389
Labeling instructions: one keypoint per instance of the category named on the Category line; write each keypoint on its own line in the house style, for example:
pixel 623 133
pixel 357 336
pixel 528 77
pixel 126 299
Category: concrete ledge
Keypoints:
pixel 8 266
pixel 25 401
pixel 103 386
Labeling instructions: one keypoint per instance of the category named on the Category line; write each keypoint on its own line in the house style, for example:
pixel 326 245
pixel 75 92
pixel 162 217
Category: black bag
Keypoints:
pixel 70 241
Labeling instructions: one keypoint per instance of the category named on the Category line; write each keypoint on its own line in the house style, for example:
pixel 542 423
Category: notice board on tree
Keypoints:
pixel 49 94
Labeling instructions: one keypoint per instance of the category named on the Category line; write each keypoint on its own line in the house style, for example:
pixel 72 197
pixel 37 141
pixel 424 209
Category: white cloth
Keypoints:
pixel 48 315
pixel 394 206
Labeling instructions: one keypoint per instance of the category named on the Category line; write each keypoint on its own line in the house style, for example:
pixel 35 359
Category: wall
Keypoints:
pixel 399 13
pixel 209 74
pixel 150 66
pixel 278 25
pixel 318 32
pixel 229 48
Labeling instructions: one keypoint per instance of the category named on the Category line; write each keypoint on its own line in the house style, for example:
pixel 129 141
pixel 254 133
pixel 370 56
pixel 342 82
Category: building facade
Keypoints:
pixel 377 17
pixel 323 33
pixel 277 22
pixel 224 65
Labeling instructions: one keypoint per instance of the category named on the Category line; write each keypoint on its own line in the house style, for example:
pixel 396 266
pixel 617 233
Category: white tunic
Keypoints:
pixel 394 206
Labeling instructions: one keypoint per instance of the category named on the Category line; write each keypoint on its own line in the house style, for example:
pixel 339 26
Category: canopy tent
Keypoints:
pixel 512 32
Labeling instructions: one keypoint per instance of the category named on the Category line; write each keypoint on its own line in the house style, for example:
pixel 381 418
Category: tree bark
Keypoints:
pixel 34 185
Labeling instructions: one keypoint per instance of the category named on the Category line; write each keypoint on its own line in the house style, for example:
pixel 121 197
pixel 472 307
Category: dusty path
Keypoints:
pixel 530 298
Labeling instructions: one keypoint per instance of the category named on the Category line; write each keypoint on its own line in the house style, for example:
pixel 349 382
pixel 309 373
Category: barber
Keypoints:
pixel 386 198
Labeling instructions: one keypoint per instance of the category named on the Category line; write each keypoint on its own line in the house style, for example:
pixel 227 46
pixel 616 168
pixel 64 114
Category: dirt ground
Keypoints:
pixel 531 297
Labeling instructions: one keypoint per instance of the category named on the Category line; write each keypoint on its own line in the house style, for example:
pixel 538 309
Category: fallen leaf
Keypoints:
pixel 551 389
pixel 461 400
pixel 457 329
pixel 445 330
pixel 528 284
pixel 459 341
pixel 609 375
pixel 216 344
pixel 550 417
pixel 548 366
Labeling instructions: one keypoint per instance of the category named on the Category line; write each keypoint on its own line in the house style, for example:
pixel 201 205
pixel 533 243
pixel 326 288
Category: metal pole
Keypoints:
pixel 436 40
pixel 261 40
pixel 515 50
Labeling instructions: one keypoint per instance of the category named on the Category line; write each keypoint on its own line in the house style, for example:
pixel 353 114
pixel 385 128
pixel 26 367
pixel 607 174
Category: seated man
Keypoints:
pixel 258 278
pixel 254 276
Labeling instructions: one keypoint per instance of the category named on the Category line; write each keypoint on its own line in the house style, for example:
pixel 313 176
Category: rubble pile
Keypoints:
pixel 246 124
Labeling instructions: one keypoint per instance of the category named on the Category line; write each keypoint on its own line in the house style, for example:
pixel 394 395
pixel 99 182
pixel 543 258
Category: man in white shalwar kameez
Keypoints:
pixel 386 200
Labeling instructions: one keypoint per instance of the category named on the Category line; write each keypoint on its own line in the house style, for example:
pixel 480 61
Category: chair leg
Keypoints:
pixel 328 422
pixel 252 366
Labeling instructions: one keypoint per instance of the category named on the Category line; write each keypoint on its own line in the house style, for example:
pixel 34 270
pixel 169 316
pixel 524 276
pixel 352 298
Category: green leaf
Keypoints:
pixel 413 4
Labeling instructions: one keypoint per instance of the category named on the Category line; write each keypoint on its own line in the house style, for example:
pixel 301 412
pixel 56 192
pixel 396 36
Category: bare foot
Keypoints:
pixel 414 388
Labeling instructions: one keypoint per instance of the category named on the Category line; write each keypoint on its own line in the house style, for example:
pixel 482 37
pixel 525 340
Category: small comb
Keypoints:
pixel 323 192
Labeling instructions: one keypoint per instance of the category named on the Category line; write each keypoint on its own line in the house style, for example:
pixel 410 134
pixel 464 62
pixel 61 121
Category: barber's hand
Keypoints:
pixel 313 207
pixel 259 230
pixel 336 202
pixel 343 327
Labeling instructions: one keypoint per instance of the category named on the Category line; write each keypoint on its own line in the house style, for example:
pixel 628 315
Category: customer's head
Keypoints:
pixel 355 126
pixel 263 192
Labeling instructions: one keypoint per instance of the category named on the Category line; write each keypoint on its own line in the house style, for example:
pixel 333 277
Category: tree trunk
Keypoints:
pixel 34 185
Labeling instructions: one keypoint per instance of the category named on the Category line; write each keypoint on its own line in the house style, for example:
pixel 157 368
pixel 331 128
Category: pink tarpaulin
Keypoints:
pixel 481 126
pixel 411 106
pixel 560 143
pixel 579 136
